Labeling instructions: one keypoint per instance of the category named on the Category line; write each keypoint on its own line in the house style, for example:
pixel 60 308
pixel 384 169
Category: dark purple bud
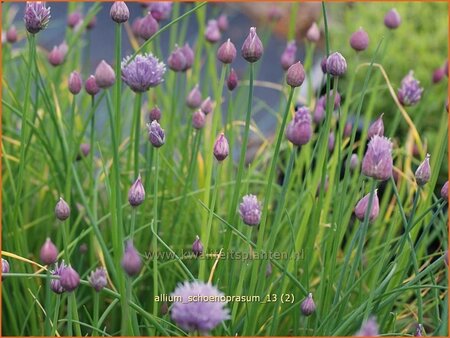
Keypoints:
pixel 419 330
pixel 368 329
pixel 136 194
pixel 56 56
pixel 376 128
pixel 226 53
pixel 148 27
pixel 98 279
pixel 377 162
pixel 423 172
pixel 91 86
pixel 198 119
pixel 156 134
pixel 11 34
pixel 212 31
pixel 176 60
pixel 336 64
pixel 288 56
pixel 268 269
pixel 5 267
pixel 69 279
pixel 308 307
pixel 36 16
pixel 73 19
pixel 354 162
pixel 410 91
pixel 252 49
pixel 197 246
pixel 438 75
pixel 250 210
pixel 62 210
pixel 392 19
pixel 221 148
pixel 232 80
pixel 331 141
pixel 119 12
pixel 299 130
pixel 49 252
pixel 444 191
pixel 363 204
pixel 359 40
pixel 348 129
pixel 194 98
pixel 75 83
pixel 295 75
pixel 222 22
pixel 55 284
pixel 104 75
pixel 323 65
pixel 154 114
pixel 131 261
pixel 313 33
pixel 207 106
pixel 91 24
pixel 188 55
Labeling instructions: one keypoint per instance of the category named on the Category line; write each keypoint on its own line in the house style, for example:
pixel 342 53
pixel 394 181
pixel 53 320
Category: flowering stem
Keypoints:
pixel 133 223
pixel 155 240
pixel 137 120
pixel 96 310
pixel 118 84
pixel 47 328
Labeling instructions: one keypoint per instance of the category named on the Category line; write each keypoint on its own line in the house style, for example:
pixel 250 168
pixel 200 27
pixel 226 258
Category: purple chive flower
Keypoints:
pixel 323 65
pixel 5 267
pixel 221 148
pixel 198 119
pixel 295 75
pixel 74 19
pixel 250 210
pixel 154 114
pixel 119 12
pixel 354 162
pixel 194 98
pixel 57 55
pixel 313 33
pixel 222 22
pixel 36 16
pixel 444 191
pixel 359 40
pixel 188 55
pixel 419 330
pixel 136 194
pixel 212 31
pixel 91 86
pixel 392 19
pixel 160 10
pixel 331 141
pixel 49 252
pixel 197 246
pixel 252 49
pixel 75 83
pixel 69 279
pixel 97 279
pixel 104 75
pixel 423 172
pixel 85 149
pixel 148 26
pixel 55 284
pixel 176 60
pixel 226 53
pixel 438 75
pixel 288 56
pixel 299 130
pixel 232 80
pixel 207 106
pixel 410 91
pixel 377 162
pixel 308 307
pixel 143 72
pixel 363 204
pixel 131 261
pixel 156 134
pixel 368 329
pixel 336 64
pixel 198 315
pixel 11 34
pixel 376 128
pixel 62 210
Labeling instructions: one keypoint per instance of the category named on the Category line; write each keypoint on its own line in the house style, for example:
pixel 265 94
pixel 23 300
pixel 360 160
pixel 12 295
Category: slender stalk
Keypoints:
pixel 48 308
pixel 133 223
pixel 96 310
pixel 155 240
pixel 137 119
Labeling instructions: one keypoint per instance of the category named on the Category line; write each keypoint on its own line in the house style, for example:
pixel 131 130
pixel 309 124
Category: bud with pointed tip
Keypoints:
pixel 131 261
pixel 75 83
pixel 156 134
pixel 176 60
pixel 222 22
pixel 136 194
pixel 11 34
pixel 91 86
pixel 188 55
pixel 69 279
pixel 299 130
pixel 226 53
pixel 336 64
pixel 323 65
pixel 359 40
pixel 154 114
pixel 288 56
pixel 212 31
pixel 194 98
pixel 232 80
pixel 221 148
pixel 197 246
pixel 392 19
pixel 363 204
pixel 49 252
pixel 207 106
pixel 354 162
pixel 423 172
pixel 74 18
pixel 438 75
pixel 136 27
pixel 98 279
pixel 104 75
pixel 295 75
pixel 62 210
pixel 56 56
pixel 198 119
pixel 444 191
pixel 376 128
pixel 148 26
pixel 377 162
pixel 308 307
pixel 313 33
pixel 119 12
pixel 252 49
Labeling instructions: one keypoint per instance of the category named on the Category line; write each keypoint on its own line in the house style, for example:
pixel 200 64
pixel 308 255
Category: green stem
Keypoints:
pixel 47 327
pixel 133 223
pixel 137 119
pixel 155 240
pixel 96 310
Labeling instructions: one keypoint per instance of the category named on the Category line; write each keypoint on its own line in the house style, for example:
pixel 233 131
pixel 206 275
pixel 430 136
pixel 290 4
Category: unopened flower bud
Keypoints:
pixel 176 60
pixel 392 19
pixel 288 56
pixel 377 162
pixel 119 12
pixel 221 148
pixel 62 210
pixel 222 22
pixel 194 98
pixel 226 53
pixel 49 252
pixel 299 130
pixel 313 33
pixel 354 162
pixel 232 80
pixel 363 205
pixel 438 75
pixel 154 114
pixel 73 19
pixel 136 194
pixel 308 307
pixel 207 106
pixel 198 119
pixel 295 75
pixel 376 128
pixel 336 64
pixel 75 83
pixel 212 31
pixel 5 267
pixel 11 34
pixel 98 279
pixel 250 210
pixel 156 134
pixel 131 261
pixel 252 49
pixel 69 279
pixel 56 56
pixel 359 40
pixel 368 329
pixel 188 55
pixel 423 172
pixel 104 75
pixel 91 86
pixel 197 246
pixel 148 26
pixel 444 191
